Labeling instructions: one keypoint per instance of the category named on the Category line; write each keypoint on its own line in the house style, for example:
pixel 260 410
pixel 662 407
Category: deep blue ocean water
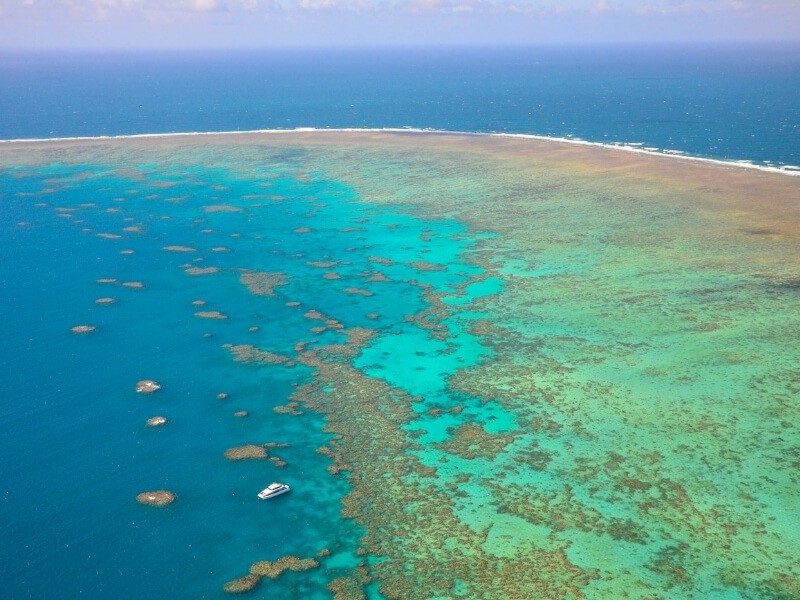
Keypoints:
pixel 726 102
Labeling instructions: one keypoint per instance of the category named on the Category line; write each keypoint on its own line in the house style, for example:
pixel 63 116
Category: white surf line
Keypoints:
pixel 637 147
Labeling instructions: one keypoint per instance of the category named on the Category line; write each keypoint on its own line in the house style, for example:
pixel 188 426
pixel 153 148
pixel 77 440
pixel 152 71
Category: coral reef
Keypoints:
pixel 471 441
pixel 196 271
pixel 261 283
pixel 210 314
pixel 221 208
pixel 357 291
pixel 156 498
pixel 346 588
pixel 147 386
pixel 246 353
pixel 423 265
pixel 242 584
pixel 83 328
pixel 275 569
pixel 249 451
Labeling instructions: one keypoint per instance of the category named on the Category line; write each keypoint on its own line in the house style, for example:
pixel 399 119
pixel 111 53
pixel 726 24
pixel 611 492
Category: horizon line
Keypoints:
pixel 411 45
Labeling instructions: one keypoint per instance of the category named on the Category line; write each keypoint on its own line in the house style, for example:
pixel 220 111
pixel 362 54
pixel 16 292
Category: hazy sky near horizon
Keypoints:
pixel 268 23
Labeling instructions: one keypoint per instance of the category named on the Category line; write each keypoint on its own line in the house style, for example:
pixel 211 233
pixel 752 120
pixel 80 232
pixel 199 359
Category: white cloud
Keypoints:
pixel 210 12
pixel 203 5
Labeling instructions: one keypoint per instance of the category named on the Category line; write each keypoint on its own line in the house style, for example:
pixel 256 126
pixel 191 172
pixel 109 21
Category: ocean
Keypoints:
pixel 488 367
pixel 730 102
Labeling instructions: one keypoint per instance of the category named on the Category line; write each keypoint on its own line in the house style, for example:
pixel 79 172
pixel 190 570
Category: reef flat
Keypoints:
pixel 496 367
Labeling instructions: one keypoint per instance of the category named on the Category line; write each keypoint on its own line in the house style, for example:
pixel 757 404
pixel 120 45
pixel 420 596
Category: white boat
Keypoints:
pixel 273 489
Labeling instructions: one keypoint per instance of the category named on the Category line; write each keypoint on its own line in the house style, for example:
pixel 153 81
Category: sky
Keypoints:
pixel 277 23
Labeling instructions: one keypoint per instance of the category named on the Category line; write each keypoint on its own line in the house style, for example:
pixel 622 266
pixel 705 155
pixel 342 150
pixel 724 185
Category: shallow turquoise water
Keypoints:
pixel 522 380
pixel 78 450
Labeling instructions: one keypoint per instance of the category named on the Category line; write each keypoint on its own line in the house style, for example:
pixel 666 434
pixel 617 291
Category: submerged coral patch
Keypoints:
pixel 247 353
pixel 221 208
pixel 424 265
pixel 470 441
pixel 242 584
pixel 210 314
pixel 275 569
pixel 353 291
pixel 147 386
pixel 201 270
pixel 156 498
pixel 83 328
pixel 248 451
pixel 261 283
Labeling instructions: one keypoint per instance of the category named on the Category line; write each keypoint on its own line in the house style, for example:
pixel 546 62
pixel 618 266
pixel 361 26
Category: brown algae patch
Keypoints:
pixel 83 329
pixel 156 498
pixel 261 283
